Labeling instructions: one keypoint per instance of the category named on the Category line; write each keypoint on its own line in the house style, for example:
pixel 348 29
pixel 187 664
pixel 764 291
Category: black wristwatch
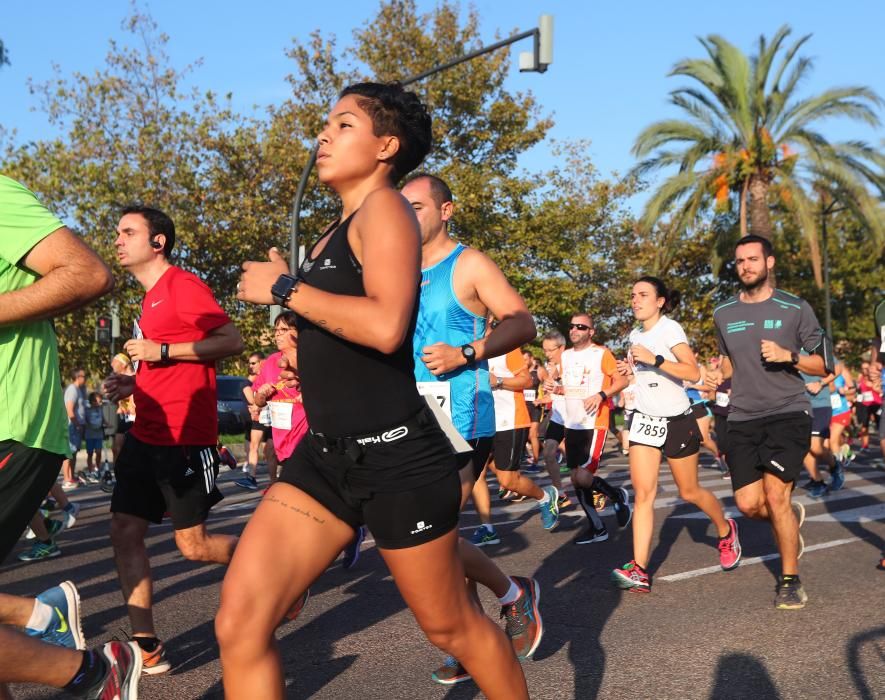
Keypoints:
pixel 659 360
pixel 603 395
pixel 283 288
pixel 794 358
pixel 164 352
pixel 469 353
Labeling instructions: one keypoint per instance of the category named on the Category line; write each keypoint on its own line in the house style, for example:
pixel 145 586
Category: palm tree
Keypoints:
pixel 749 137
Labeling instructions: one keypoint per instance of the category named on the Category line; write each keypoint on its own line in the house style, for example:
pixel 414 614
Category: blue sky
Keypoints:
pixel 607 82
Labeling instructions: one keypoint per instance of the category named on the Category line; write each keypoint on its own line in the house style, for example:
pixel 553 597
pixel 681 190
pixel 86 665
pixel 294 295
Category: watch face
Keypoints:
pixel 469 352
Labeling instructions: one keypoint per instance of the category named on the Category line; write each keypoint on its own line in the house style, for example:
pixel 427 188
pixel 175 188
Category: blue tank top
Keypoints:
pixel 844 406
pixel 441 318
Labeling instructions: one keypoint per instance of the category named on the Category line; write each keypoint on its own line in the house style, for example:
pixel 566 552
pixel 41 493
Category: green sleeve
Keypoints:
pixel 24 222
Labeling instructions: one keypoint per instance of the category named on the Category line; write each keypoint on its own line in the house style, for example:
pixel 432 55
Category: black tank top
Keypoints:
pixel 351 389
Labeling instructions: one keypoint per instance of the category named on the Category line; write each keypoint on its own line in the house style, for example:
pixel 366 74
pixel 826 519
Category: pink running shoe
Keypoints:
pixel 730 547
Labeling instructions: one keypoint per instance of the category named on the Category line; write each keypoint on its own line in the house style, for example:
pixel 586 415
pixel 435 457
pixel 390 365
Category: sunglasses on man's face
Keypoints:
pixel 579 326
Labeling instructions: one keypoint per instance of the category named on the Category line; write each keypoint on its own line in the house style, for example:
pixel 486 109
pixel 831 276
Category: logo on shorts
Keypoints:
pixel 421 526
pixel 777 465
pixel 395 434
pixel 189 472
pixel 328 265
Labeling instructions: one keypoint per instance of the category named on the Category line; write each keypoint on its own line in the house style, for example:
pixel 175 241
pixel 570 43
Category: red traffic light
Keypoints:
pixel 104 322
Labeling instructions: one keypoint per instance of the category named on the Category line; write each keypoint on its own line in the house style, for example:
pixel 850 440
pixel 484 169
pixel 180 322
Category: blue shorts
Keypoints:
pixel 75 438
pixel 94 444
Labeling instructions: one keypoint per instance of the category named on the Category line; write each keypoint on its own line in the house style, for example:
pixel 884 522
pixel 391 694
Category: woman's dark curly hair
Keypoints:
pixel 395 111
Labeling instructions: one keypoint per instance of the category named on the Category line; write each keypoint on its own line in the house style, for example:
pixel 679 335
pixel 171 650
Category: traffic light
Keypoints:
pixel 542 55
pixel 103 330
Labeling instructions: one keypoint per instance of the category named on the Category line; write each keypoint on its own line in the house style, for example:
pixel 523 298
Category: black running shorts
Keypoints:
pixel 555 431
pixel 683 436
pixel 509 448
pixel 775 444
pixel 266 433
pixel 583 448
pixel 156 479
pixel 820 421
pixel 26 475
pixel 477 458
pixel 720 425
pixel 405 489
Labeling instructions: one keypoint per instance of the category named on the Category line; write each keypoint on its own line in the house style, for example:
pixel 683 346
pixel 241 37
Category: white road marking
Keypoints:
pixel 864 514
pixel 752 560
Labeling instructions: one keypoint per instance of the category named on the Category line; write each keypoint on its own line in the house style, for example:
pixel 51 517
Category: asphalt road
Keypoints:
pixel 701 633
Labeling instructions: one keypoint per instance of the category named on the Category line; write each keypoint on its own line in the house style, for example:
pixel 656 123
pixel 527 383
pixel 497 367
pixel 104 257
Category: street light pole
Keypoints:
pixel 535 61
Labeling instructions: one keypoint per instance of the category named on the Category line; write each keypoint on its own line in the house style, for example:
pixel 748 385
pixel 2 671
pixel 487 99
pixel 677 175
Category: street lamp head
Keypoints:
pixel 542 55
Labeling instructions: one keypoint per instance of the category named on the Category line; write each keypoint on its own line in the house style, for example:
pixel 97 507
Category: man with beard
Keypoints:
pixel 761 334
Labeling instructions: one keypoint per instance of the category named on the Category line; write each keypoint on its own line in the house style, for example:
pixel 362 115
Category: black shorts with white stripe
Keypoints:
pixel 155 480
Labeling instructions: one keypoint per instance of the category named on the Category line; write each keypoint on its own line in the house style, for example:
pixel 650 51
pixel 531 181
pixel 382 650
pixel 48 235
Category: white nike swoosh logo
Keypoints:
pixel 155 303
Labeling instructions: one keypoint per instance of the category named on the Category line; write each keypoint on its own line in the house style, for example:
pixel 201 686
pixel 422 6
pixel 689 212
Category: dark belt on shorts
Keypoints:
pixel 355 446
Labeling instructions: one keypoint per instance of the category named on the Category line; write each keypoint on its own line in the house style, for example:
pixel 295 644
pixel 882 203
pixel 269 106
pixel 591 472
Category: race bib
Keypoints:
pixel 264 415
pixel 835 401
pixel 722 399
pixel 137 334
pixel 529 394
pixel 648 430
pixel 441 392
pixel 280 415
pixel 882 335
pixel 574 383
pixel 866 397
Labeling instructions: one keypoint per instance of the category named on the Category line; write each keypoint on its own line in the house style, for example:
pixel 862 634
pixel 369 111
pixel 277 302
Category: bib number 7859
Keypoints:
pixel 648 430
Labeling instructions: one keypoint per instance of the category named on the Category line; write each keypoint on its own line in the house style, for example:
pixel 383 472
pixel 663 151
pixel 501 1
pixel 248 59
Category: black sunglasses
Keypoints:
pixel 579 326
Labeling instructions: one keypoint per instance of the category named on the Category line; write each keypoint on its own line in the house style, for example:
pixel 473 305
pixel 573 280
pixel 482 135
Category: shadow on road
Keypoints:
pixel 741 676
pixel 872 645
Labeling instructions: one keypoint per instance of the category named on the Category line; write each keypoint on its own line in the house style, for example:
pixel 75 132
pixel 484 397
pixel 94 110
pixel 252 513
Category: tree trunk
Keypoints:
pixel 743 207
pixel 760 219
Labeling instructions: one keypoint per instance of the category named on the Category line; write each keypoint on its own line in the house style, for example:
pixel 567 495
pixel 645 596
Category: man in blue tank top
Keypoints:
pixel 460 286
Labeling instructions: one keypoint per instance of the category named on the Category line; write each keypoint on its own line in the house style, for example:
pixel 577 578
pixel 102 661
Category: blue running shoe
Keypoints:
pixel 818 489
pixel 64 628
pixel 837 480
pixel 484 535
pixel 248 482
pixel 40 550
pixel 450 673
pixel 531 469
pixel 550 509
pixel 352 551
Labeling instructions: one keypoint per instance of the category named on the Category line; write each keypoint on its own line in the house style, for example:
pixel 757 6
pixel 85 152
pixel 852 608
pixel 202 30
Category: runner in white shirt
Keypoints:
pixel 662 423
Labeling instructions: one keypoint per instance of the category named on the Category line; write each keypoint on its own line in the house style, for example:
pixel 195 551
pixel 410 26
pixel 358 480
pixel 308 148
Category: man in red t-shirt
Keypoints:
pixel 168 463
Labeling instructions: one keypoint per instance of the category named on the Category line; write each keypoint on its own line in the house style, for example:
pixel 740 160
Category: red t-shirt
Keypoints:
pixel 177 401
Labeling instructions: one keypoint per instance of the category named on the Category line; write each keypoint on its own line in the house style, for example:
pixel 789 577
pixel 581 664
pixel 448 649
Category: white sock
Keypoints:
pixel 512 595
pixel 41 616
pixel 545 498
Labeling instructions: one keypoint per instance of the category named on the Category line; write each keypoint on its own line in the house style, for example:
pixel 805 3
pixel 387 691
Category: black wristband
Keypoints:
pixel 164 352
pixel 603 395
pixel 659 360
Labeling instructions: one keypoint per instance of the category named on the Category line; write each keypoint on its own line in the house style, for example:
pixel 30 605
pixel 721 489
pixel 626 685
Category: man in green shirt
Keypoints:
pixel 45 270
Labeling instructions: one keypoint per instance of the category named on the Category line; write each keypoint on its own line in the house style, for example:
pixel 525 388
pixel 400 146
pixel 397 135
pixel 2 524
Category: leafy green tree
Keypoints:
pixel 749 136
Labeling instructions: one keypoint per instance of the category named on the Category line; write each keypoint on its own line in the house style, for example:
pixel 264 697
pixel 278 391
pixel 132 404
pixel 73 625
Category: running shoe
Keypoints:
pixel 730 547
pixel 599 501
pixel 623 511
pixel 818 489
pixel 107 482
pixel 227 458
pixel 484 535
pixel 550 509
pixel 125 665
pixel 799 509
pixel 564 502
pixel 352 550
pixel 522 618
pixel 631 577
pixel 513 497
pixel 837 477
pixel 790 595
pixel 154 662
pixel 40 550
pixel 71 511
pixel 69 485
pixel 563 469
pixel 53 527
pixel 534 468
pixel 248 482
pixel 91 477
pixel 726 476
pixel 64 627
pixel 451 672
pixel 591 535
pixel 298 606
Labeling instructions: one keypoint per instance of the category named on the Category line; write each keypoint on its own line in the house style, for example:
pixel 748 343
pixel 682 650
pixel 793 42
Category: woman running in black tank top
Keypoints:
pixel 374 454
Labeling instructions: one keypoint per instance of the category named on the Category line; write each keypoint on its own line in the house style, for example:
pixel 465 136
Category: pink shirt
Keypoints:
pixel 284 441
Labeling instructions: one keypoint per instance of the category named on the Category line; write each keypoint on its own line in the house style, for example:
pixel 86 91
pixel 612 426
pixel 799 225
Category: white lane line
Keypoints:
pixel 865 514
pixel 752 560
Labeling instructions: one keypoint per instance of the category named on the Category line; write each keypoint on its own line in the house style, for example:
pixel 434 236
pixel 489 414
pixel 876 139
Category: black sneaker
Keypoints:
pixel 623 511
pixel 790 595
pixel 591 535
